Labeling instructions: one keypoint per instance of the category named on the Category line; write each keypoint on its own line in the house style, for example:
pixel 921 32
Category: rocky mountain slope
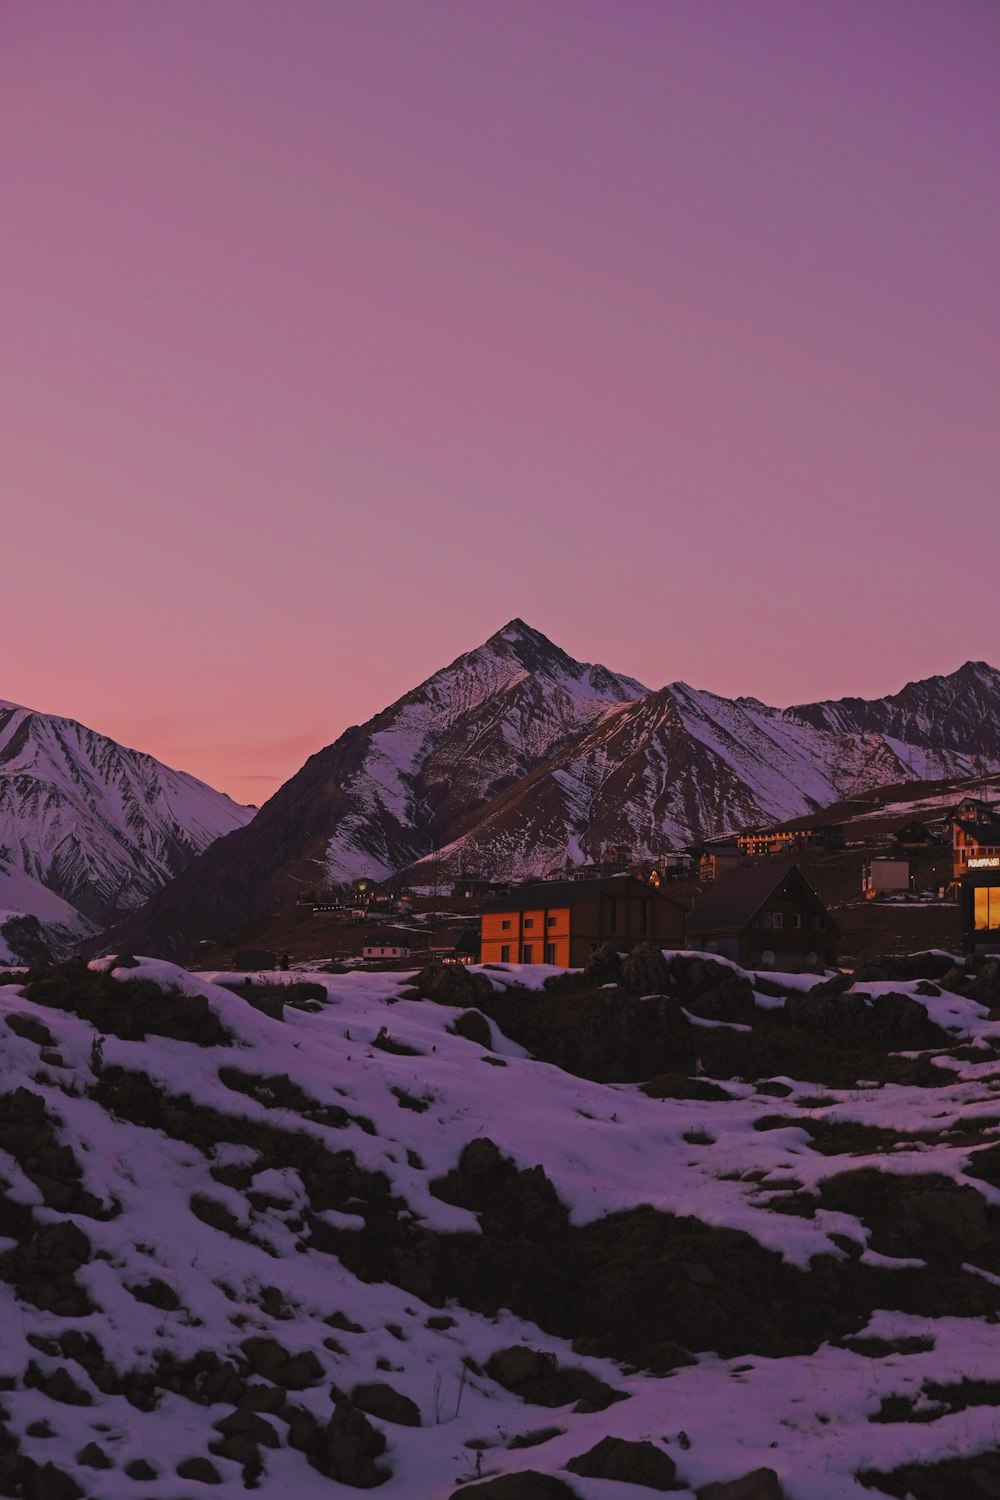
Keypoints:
pixel 517 759
pixel 89 829
pixel 740 1239
pixel 387 793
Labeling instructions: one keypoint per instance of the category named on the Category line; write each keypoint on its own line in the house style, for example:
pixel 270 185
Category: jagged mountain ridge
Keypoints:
pixel 516 759
pixel 95 824
pixel 683 764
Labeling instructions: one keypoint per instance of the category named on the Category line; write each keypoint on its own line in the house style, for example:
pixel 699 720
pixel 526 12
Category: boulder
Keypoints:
pixel 629 1463
pixel 895 1022
pixel 730 1000
pixel 506 1199
pixel 696 976
pixel 351 1447
pixel 380 1400
pixel 526 1485
pixel 760 1484
pixel 907 966
pixel 294 1372
pixel 645 971
pixel 473 1025
pixel 604 966
pixel 537 1379
pixel 985 987
pixel 451 984
pixel 200 1469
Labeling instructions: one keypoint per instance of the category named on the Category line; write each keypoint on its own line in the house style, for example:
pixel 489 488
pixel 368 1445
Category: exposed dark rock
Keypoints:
pixel 346 1449
pixel 629 1463
pixel 473 1025
pixel 730 1000
pixel 985 987
pixel 245 1419
pixel 30 1135
pixel 200 1469
pixel 132 1008
pixel 644 971
pixel 451 984
pixel 31 1029
pixel 604 966
pixel 42 1268
pixel 528 1484
pixel 761 1484
pixel 692 977
pixel 537 1378
pixel 679 1086
pixel 138 1468
pixel 93 1456
pixel 156 1293
pixel 895 1022
pixel 57 1384
pixel 269 1359
pixel 949 1222
pixel 535 1438
pixel 506 1199
pixel 380 1400
pixel 905 967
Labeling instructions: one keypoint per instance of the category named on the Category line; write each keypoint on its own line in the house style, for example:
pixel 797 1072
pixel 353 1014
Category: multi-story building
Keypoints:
pixel 564 921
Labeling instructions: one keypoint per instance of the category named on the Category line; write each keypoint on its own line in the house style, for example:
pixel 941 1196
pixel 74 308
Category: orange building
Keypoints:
pixel 563 921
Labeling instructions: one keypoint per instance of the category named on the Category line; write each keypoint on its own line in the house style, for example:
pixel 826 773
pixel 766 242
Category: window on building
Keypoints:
pixel 550 921
pixel 505 926
pixel 550 953
pixel 505 953
pixel 526 952
pixel 529 921
pixel 986 907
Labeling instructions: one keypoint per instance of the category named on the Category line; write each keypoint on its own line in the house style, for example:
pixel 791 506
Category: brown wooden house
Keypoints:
pixel 764 918
pixel 564 921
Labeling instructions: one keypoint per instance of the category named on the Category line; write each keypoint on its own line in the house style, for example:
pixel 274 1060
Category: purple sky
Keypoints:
pixel 335 334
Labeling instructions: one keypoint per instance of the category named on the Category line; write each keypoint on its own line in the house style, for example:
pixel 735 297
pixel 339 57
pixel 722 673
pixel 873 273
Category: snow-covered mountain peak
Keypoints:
pixel 517 758
pixel 100 825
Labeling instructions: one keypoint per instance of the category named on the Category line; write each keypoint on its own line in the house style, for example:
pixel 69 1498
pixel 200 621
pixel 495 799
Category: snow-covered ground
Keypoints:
pixel 605 1148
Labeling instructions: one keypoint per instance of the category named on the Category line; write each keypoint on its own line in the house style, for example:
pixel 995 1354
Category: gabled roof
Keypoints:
pixel 983 833
pixel 732 902
pixel 388 939
pixel 564 893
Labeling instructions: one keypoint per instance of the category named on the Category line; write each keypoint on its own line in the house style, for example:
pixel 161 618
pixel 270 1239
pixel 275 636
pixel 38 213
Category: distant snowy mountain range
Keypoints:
pixel 88 829
pixel 516 759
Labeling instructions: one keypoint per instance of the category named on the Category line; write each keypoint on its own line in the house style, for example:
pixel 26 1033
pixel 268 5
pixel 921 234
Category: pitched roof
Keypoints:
pixel 735 899
pixel 561 893
pixel 983 833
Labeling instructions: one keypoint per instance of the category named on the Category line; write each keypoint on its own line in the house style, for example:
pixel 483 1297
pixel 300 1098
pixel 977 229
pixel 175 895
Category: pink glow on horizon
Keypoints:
pixel 335 335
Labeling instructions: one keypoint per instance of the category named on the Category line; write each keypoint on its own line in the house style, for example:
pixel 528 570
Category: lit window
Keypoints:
pixel 986 908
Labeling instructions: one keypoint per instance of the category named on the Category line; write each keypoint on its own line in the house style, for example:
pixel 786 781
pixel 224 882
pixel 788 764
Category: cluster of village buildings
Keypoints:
pixel 743 898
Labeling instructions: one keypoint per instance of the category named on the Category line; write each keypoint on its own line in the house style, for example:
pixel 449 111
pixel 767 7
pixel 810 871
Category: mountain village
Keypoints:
pixel 556 1091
